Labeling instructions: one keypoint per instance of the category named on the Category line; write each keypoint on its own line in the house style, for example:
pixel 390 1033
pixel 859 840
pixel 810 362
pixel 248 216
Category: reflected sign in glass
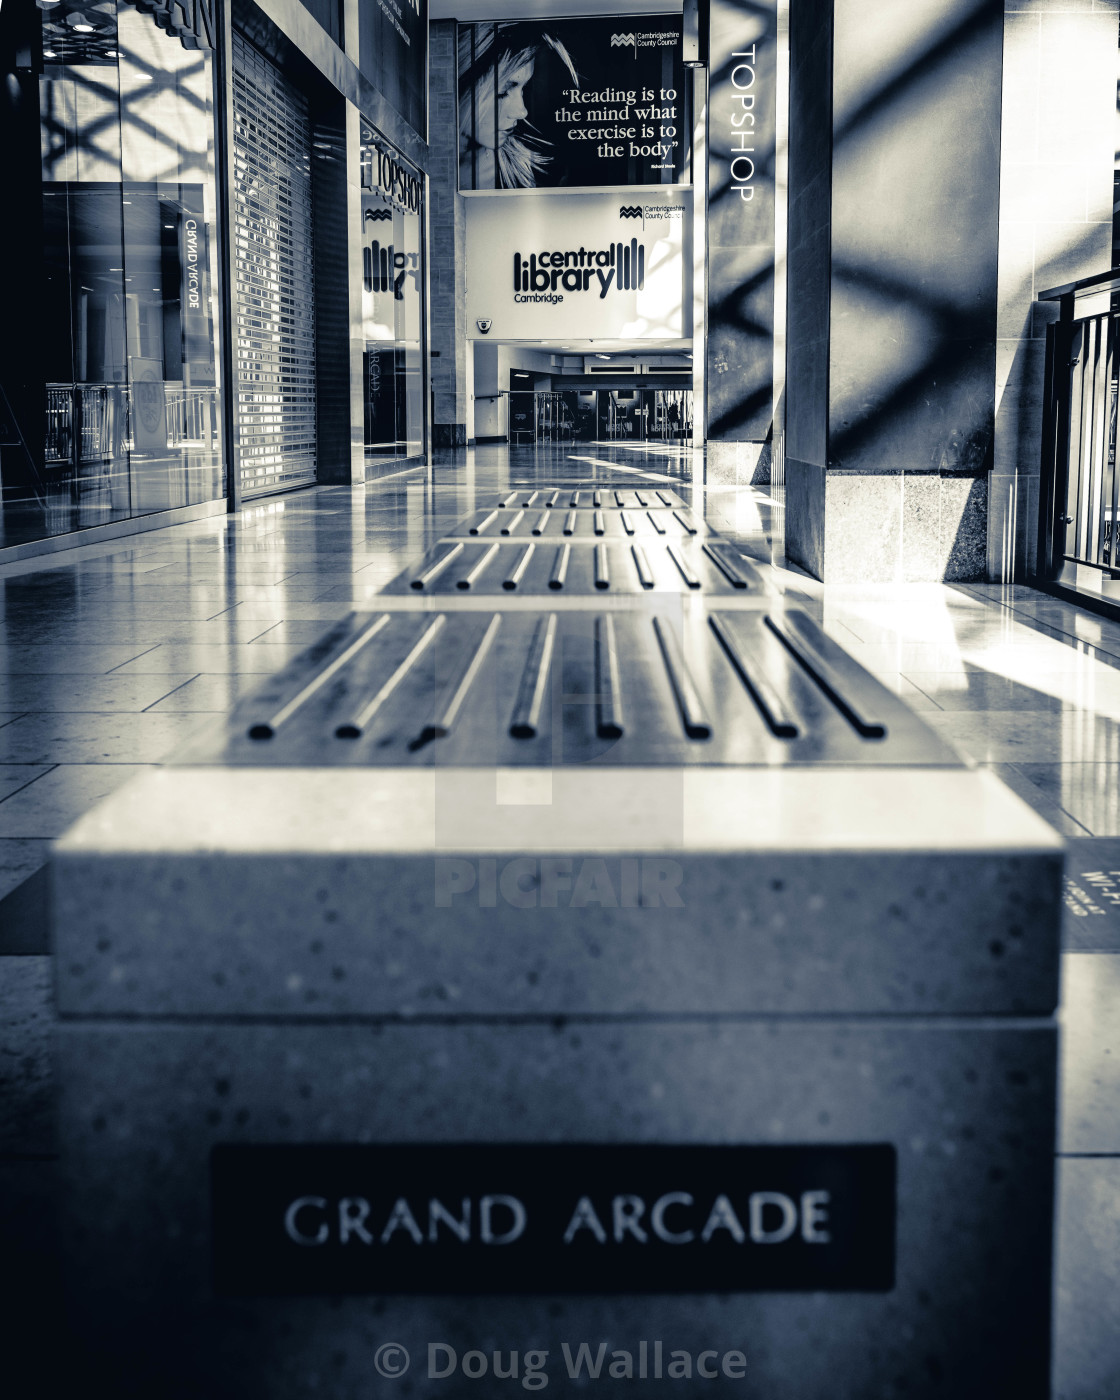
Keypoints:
pixel 392 239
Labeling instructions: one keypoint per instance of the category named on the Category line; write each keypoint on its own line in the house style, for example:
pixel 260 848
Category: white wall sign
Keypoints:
pixel 579 267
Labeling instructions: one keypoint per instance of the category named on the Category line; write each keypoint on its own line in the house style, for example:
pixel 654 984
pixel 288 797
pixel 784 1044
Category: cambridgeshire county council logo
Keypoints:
pixel 621 41
pixel 484 326
pixel 630 211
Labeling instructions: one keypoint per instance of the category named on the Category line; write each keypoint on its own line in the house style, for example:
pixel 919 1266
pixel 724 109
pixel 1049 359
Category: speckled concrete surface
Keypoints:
pixel 968 1104
pixel 381 934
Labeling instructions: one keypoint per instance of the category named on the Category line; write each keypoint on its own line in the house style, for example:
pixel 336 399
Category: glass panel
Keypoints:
pixel 393 54
pixel 168 217
pixel 671 414
pixel 120 415
pixel 392 305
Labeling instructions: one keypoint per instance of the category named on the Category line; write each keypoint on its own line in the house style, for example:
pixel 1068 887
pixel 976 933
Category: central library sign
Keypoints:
pixel 617 270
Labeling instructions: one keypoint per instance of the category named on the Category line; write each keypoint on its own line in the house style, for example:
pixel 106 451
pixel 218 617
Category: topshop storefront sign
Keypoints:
pixel 618 270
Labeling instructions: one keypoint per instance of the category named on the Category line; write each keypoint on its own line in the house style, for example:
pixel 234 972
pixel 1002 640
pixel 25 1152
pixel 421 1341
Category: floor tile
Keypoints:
pixel 1013 777
pixel 211 693
pixel 26 1104
pixel 19 860
pixel 48 806
pixel 96 738
pixel 281 611
pixel 905 689
pixel 1087 1280
pixel 1091 923
pixel 215 658
pixel 289 632
pixel 36 659
pixel 1090 1053
pixel 1011 736
pixel 909 657
pixel 132 692
pixel 355 596
pixel 14 776
pixel 25 917
pixel 980 690
pixel 218 572
pixel 1089 792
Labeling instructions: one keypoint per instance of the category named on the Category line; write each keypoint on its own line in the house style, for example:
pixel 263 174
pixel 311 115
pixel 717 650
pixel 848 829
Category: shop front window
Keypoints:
pixel 126 385
pixel 392 305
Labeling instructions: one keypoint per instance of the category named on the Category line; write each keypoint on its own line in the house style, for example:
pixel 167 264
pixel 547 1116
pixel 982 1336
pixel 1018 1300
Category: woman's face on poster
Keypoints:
pixel 514 72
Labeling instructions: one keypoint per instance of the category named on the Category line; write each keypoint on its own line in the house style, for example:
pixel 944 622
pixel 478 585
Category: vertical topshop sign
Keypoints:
pixel 741 245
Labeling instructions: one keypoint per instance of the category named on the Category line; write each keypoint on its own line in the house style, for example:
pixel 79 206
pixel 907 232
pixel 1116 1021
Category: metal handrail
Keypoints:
pixel 90 424
pixel 1100 282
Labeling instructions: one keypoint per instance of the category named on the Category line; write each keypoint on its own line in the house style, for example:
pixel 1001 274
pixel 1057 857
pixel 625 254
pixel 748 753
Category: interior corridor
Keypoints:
pixel 115 654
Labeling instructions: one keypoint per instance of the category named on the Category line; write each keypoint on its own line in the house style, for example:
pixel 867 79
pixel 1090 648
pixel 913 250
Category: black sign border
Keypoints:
pixel 880 1159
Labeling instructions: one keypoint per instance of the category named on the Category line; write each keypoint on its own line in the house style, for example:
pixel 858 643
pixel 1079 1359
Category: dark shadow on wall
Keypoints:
pixel 929 407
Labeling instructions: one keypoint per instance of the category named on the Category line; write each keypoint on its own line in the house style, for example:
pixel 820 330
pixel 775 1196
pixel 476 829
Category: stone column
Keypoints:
pixel 894 160
pixel 446 244
pixel 739 323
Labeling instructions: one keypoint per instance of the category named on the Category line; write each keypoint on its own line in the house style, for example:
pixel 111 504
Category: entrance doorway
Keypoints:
pixel 599 415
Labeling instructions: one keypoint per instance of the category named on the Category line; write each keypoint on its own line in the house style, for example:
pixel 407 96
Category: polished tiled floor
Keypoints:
pixel 112 655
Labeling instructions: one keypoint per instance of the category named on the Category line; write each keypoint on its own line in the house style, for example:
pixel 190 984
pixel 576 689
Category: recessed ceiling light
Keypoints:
pixel 48 53
pixel 83 29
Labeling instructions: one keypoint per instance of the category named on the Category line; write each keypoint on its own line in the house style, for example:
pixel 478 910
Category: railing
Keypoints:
pixel 84 423
pixel 1079 500
pixel 91 424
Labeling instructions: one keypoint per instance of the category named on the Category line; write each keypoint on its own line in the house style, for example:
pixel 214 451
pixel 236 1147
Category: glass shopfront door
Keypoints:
pixel 113 403
pixel 393 308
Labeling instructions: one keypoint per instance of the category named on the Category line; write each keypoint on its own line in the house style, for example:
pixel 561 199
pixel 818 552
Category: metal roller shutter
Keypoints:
pixel 275 286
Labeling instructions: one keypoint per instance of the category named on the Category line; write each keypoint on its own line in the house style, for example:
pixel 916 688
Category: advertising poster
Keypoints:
pixel 578 267
pixel 573 102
